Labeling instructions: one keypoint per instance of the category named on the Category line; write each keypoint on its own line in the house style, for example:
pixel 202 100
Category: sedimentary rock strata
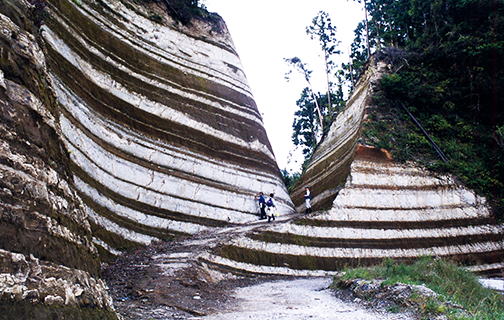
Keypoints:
pixel 375 209
pixel 30 288
pixel 120 126
pixel 330 163
pixel 49 266
pixel 163 133
pixel 384 210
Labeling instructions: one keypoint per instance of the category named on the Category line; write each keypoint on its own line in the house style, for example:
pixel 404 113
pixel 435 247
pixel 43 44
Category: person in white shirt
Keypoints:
pixel 307 198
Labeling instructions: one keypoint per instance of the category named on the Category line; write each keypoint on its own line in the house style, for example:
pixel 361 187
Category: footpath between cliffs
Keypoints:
pixel 168 281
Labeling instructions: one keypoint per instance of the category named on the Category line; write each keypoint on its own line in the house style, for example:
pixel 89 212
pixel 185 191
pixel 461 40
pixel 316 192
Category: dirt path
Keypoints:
pixel 143 288
pixel 293 300
pixel 168 280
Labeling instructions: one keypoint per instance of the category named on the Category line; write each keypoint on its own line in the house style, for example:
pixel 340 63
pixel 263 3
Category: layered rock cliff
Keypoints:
pixel 49 266
pixel 329 165
pixel 119 126
pixel 374 209
pixel 163 133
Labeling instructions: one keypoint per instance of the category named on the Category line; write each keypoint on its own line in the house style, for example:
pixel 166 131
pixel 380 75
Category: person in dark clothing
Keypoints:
pixel 262 206
pixel 271 205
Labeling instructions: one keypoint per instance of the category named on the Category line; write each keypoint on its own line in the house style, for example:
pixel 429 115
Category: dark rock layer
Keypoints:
pixel 164 134
pixel 49 266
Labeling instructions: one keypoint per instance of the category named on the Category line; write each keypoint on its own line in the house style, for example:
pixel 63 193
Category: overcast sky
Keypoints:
pixel 267 31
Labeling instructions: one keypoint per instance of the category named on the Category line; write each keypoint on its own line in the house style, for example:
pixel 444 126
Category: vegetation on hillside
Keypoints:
pixel 445 84
pixel 446 68
pixel 182 11
pixel 451 282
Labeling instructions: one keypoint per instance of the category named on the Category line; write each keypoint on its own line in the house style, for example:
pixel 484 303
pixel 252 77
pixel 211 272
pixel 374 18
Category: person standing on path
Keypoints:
pixel 271 204
pixel 262 206
pixel 307 198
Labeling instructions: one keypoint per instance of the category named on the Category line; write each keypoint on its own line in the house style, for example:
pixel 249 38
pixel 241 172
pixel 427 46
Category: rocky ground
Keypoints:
pixel 168 281
pixel 142 289
pixel 308 298
pixel 163 282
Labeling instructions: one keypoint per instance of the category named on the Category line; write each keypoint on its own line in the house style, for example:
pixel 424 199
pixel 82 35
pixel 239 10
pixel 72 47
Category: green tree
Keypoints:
pixel 358 55
pixel 289 178
pixel 337 101
pixel 446 62
pixel 183 10
pixel 305 123
pixel 323 30
pixel 302 68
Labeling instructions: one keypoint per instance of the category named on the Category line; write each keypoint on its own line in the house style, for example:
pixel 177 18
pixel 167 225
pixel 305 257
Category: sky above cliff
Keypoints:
pixel 267 31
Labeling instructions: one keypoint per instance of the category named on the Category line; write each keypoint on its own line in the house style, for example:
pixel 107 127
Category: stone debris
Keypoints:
pixel 402 297
pixel 29 279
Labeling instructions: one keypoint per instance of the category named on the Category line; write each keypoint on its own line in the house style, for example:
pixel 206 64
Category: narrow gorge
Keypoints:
pixel 123 126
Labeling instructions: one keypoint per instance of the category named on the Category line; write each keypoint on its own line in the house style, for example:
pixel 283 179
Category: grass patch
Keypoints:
pixel 451 282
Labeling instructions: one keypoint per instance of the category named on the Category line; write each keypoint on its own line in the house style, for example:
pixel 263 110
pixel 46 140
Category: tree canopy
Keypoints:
pixel 446 61
pixel 316 110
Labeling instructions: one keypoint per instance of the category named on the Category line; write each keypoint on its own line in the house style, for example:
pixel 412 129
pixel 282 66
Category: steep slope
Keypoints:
pixel 116 131
pixel 385 210
pixel 120 127
pixel 330 163
pixel 375 209
pixel 49 266
pixel 164 134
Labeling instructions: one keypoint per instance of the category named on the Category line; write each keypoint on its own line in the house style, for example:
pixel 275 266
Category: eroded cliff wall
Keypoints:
pixel 369 208
pixel 49 267
pixel 164 135
pixel 119 126
pixel 330 163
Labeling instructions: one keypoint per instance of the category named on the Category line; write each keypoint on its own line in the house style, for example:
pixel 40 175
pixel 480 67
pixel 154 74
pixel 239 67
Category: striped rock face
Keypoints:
pixel 330 163
pixel 163 132
pixel 385 210
pixel 376 209
pixel 49 267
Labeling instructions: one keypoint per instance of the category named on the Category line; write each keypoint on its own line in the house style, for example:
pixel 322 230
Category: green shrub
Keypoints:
pixel 451 282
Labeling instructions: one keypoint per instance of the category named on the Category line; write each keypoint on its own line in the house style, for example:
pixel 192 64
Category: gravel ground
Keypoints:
pixel 293 300
pixel 168 280
pixel 144 288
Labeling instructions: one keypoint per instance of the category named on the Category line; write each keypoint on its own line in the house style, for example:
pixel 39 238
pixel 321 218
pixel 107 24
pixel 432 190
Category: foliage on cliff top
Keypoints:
pixel 453 283
pixel 317 110
pixel 446 67
pixel 183 11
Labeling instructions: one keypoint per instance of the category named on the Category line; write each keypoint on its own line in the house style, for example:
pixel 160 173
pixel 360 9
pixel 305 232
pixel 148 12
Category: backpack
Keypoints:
pixel 269 203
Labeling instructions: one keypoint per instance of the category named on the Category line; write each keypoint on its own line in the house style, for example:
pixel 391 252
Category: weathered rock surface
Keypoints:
pixel 410 299
pixel 377 209
pixel 164 134
pixel 330 163
pixel 49 266
pixel 120 127
pixel 117 130
pixel 31 288
pixel 385 210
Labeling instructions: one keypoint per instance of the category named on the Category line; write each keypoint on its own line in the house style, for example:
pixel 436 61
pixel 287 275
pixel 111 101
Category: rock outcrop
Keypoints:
pixel 385 210
pixel 118 127
pixel 375 209
pixel 164 136
pixel 49 266
pixel 330 163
